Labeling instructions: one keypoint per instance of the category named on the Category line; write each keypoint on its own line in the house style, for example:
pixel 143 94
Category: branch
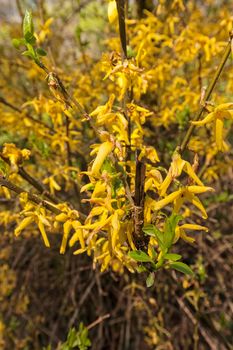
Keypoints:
pixel 38 185
pixel 34 182
pixel 139 199
pixel 121 21
pixel 99 320
pixel 34 198
pixel 27 115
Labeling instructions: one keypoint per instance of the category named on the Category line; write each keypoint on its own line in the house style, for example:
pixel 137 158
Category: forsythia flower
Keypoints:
pixel 104 150
pixel 180 231
pixel 177 166
pixel 15 155
pixel 185 194
pixel 217 116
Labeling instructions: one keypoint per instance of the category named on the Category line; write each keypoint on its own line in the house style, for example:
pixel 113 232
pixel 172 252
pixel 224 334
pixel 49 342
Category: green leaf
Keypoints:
pixel 153 253
pixel 160 263
pixel 150 280
pixel 18 42
pixel 27 25
pixel 173 257
pixel 141 269
pixel 152 230
pixel 140 256
pixel 3 168
pixel 71 337
pixel 28 54
pixel 149 230
pixel 41 52
pixel 30 38
pixel 170 226
pixel 182 267
pixel 130 52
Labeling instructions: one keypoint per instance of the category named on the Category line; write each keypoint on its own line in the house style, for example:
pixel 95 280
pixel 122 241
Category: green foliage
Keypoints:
pixel 140 256
pixel 150 280
pixel 181 267
pixel 77 339
pixel 165 239
pixel 29 40
pixel 164 259
pixel 28 28
pixel 40 145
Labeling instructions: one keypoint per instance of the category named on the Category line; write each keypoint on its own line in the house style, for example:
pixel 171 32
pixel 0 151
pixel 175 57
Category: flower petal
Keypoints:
pixel 170 198
pixel 206 120
pixel 189 170
pixel 193 227
pixel 219 134
pixel 199 189
pixel 103 152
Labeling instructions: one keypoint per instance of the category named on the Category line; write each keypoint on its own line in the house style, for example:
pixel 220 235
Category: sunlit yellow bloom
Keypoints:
pixel 112 11
pixel 15 155
pixel 104 150
pixel 80 251
pixel 180 231
pixel 43 233
pixel 45 30
pixel 24 223
pixel 177 166
pixel 167 200
pixel 67 227
pixel 185 194
pixel 53 185
pixel 78 235
pixel 221 112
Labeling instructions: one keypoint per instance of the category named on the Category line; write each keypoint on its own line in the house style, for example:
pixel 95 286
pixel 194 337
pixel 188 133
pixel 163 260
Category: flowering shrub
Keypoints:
pixel 116 153
pixel 122 204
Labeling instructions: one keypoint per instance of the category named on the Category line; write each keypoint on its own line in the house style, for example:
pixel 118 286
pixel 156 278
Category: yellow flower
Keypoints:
pixel 15 155
pixel 104 150
pixel 186 194
pixel 112 11
pixel 177 166
pixel 217 116
pixel 180 231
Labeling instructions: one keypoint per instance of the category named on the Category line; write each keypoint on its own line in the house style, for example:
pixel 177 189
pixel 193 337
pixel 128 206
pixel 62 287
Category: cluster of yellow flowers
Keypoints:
pixel 157 86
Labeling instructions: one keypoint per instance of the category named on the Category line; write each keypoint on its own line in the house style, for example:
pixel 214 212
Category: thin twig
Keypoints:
pixel 27 115
pixel 139 199
pixel 122 30
pixel 34 182
pixel 19 7
pixel 32 197
pixel 99 320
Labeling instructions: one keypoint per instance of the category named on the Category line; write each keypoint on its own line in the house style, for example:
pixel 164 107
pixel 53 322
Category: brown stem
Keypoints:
pixel 37 185
pixel 27 115
pixel 122 30
pixel 32 181
pixel 99 320
pixel 32 197
pixel 19 7
pixel 139 199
